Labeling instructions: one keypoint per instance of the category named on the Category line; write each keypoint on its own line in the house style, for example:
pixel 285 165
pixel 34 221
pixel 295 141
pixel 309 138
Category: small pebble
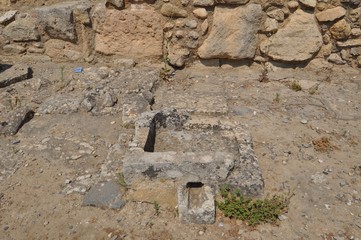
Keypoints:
pixel 201 233
pixel 304 121
pixel 343 183
pixel 46 223
pixel 327 206
pixel 5 227
pixel 15 141
pixel 282 217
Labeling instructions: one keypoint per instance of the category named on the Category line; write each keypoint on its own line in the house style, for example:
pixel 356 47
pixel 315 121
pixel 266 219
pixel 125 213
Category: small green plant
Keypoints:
pixel 156 208
pixel 295 86
pixel 252 211
pixel 62 73
pixel 122 182
pixel 14 102
pixel 277 99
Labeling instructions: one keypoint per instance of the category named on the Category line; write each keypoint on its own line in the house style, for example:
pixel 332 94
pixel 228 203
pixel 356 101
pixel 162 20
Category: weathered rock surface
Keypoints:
pixel 299 40
pixel 235 2
pixel 189 166
pixel 14 74
pixel 196 203
pixel 57 20
pixel 350 43
pixel 116 3
pixel 141 36
pixel 23 29
pixel 8 16
pixel 233 34
pixel 331 14
pixel 270 25
pixel 200 13
pixel 336 59
pixel 170 10
pixel 203 3
pixel 14 120
pixel 105 195
pixel 341 30
pixel 61 103
pixel 309 3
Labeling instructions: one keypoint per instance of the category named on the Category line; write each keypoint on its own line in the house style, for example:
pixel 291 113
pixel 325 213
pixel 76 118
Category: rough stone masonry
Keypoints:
pixel 179 33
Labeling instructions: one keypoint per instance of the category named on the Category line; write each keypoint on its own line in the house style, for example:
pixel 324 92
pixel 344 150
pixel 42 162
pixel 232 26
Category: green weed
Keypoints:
pixel 252 211
pixel 295 86
pixel 277 99
pixel 156 208
pixel 122 182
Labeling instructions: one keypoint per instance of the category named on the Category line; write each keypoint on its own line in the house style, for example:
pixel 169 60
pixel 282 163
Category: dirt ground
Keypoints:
pixel 307 142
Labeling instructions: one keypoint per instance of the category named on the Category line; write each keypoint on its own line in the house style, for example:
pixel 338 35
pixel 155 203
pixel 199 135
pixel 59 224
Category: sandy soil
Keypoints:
pixel 307 142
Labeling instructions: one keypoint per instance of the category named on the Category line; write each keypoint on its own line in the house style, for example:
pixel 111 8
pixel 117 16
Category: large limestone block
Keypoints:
pixel 132 33
pixel 233 34
pixel 299 40
pixel 23 29
pixel 57 21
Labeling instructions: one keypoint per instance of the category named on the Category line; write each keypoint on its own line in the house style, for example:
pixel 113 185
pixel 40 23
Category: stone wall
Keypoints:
pixel 182 31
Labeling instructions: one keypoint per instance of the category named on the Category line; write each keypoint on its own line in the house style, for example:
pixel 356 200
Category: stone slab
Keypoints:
pixel 16 73
pixel 180 166
pixel 130 33
pixel 233 33
pixel 105 195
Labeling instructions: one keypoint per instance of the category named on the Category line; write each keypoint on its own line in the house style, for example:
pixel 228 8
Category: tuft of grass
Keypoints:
pixel 156 208
pixel 323 144
pixel 252 211
pixel 295 86
pixel 122 182
pixel 62 68
pixel 277 98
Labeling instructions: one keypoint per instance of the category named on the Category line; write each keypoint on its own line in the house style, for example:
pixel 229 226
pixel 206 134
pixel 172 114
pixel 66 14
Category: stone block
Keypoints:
pixel 130 33
pixel 196 203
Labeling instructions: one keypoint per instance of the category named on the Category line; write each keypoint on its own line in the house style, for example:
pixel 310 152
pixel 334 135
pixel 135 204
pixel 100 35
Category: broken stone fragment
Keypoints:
pixel 341 30
pixel 8 17
pixel 14 74
pixel 23 29
pixel 170 10
pixel 331 14
pixel 15 120
pixel 115 3
pixel 298 40
pixel 309 3
pixel 233 2
pixel 200 13
pixel 203 3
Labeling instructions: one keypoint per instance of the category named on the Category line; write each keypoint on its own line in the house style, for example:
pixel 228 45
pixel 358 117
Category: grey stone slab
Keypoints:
pixel 15 120
pixel 14 74
pixel 105 195
pixel 189 166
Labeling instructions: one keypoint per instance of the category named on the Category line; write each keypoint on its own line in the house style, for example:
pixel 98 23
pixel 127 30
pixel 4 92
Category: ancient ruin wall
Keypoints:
pixel 182 31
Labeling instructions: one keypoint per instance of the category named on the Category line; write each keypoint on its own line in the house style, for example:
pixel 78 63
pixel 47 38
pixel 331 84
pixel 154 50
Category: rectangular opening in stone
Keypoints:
pixel 195 140
pixel 196 195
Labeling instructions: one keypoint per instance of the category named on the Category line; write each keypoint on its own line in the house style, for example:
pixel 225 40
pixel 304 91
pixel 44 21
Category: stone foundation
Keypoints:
pixel 181 32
